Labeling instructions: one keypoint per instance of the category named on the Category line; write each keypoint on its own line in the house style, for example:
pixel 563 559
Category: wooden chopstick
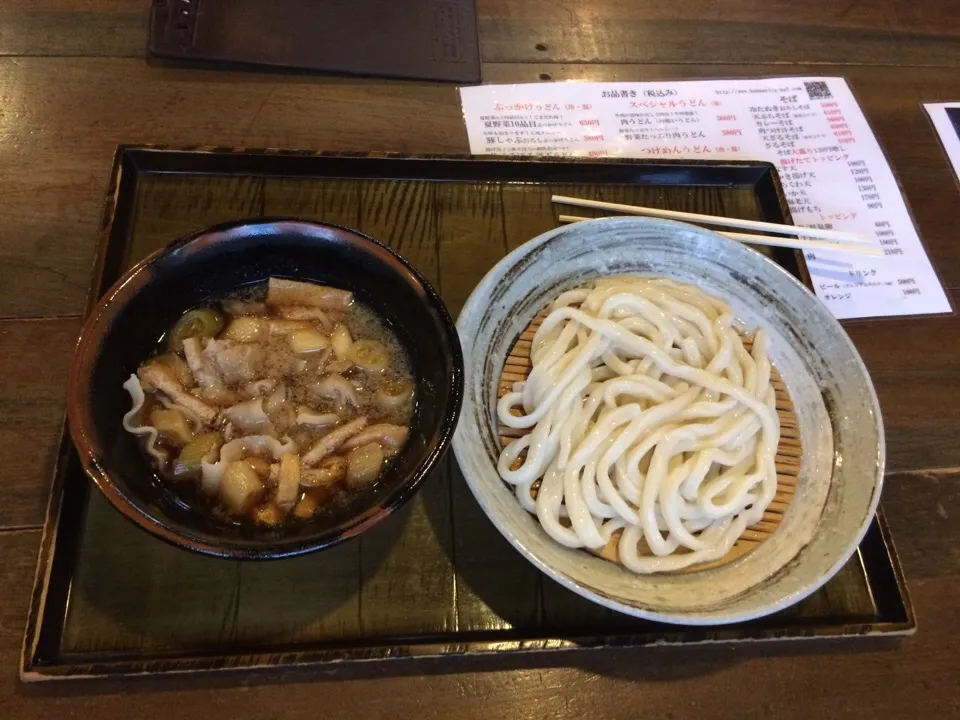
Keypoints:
pixel 834 235
pixel 797 243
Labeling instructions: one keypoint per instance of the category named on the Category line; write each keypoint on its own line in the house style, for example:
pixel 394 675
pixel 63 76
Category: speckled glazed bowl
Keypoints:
pixel 836 407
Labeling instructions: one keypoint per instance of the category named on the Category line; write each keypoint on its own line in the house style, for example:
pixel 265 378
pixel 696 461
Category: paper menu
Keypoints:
pixel 832 169
pixel 946 119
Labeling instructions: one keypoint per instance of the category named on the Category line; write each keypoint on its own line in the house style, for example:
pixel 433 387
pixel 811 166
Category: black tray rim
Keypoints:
pixel 132 159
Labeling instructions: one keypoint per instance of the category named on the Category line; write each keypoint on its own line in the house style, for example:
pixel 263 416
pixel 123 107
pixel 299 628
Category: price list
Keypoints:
pixel 833 171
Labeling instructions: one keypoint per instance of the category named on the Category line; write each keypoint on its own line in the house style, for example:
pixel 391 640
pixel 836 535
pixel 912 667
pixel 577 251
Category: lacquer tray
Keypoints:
pixel 436 579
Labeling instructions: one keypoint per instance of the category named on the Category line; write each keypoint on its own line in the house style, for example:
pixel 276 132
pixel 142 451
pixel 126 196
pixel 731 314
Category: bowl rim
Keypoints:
pixel 697 618
pixel 80 423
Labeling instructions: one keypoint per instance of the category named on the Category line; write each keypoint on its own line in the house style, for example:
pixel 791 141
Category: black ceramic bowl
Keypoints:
pixel 123 330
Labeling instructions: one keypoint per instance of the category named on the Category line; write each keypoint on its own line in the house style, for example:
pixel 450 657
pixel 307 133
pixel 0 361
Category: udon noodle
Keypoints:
pixel 648 416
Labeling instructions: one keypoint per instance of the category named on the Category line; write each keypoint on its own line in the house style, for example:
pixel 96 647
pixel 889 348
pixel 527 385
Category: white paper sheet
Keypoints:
pixel 946 119
pixel 833 171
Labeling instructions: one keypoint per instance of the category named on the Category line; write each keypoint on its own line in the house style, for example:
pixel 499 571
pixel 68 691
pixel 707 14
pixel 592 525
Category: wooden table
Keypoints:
pixel 74 83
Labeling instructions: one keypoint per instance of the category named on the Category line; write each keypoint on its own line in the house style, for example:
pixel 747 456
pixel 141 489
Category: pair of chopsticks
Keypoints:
pixel 832 240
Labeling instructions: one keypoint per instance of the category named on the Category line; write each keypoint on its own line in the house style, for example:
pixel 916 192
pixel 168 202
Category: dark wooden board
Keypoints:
pixel 435 579
pixel 776 31
pixel 34 356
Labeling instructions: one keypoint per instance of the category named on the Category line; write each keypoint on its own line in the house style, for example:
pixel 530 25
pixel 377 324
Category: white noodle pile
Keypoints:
pixel 649 416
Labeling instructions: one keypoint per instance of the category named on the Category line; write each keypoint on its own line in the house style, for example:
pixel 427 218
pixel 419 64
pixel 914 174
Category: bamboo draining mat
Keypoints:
pixel 517 367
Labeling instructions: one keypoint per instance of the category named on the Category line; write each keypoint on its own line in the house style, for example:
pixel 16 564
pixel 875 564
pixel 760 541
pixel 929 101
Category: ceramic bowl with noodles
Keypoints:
pixel 666 422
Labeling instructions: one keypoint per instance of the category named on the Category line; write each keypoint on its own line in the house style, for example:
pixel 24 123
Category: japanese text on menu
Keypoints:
pixel 832 169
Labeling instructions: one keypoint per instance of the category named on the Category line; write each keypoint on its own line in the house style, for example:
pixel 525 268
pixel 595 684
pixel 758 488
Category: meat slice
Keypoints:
pixel 236 362
pixel 291 292
pixel 158 377
pixel 203 370
pixel 328 444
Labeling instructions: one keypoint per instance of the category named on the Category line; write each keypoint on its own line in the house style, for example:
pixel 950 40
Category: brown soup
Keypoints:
pixel 274 402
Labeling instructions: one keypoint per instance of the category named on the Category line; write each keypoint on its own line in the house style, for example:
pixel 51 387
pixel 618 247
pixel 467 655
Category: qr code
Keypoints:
pixel 818 90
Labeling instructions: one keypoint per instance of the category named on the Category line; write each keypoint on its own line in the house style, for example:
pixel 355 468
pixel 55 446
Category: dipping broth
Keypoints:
pixel 273 402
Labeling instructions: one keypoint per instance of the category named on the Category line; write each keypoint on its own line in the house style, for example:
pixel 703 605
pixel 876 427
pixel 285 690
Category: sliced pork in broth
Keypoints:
pixel 275 402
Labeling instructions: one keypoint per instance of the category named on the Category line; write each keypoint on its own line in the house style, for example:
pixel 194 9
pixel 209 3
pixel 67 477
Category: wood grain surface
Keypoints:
pixel 887 32
pixel 74 83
